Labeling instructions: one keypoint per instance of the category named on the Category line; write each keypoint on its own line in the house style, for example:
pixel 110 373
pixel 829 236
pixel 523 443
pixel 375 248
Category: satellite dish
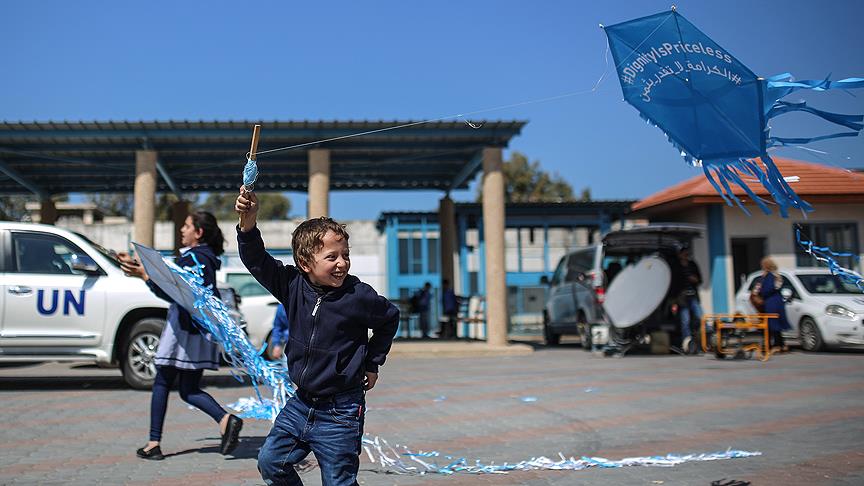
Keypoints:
pixel 637 291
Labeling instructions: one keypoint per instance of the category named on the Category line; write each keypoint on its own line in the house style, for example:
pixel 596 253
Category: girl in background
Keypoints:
pixel 184 352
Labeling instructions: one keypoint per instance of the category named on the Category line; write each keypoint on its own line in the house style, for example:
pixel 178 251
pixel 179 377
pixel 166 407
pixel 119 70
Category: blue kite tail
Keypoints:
pixel 250 174
pixel 721 173
pixel 781 85
pixel 777 87
pixel 829 257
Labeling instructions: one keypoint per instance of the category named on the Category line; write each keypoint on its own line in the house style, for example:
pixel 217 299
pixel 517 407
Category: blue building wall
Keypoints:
pixel 413 251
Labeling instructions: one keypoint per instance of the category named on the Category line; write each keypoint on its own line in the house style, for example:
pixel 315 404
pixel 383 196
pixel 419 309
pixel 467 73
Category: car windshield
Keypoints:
pixel 824 283
pixel 246 285
pixel 111 255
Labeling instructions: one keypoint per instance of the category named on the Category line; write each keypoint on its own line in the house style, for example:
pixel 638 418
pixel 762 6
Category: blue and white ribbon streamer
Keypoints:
pixel 237 349
pixel 829 257
pixel 402 460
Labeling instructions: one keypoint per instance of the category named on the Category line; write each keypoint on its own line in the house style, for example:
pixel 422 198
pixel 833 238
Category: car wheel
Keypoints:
pixel 139 353
pixel 551 338
pixel 584 332
pixel 811 338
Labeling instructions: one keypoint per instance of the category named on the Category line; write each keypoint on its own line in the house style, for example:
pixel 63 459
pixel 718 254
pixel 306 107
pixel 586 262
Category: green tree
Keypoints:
pixel 270 205
pixel 528 182
pixel 113 203
pixel 12 208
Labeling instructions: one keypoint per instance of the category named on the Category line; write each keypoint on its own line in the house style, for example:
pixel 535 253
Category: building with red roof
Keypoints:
pixel 735 242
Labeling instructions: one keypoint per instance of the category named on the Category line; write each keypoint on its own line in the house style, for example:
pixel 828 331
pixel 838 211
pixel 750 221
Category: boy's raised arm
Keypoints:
pixel 246 206
pixel 268 271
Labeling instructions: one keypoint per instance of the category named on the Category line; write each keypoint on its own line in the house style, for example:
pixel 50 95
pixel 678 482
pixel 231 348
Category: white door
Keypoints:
pixel 46 303
pixel 794 308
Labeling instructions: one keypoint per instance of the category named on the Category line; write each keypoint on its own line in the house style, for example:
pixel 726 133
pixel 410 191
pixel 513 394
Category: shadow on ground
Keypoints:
pixel 83 381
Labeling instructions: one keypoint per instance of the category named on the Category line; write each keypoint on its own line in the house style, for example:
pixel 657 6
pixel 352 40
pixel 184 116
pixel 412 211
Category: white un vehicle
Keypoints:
pixel 64 298
pixel 823 309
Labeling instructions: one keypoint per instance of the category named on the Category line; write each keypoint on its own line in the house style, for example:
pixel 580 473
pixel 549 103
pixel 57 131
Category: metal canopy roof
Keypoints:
pixel 60 157
pixel 518 214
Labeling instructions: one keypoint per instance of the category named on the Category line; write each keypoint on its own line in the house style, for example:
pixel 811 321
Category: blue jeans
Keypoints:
pixel 691 309
pixel 332 429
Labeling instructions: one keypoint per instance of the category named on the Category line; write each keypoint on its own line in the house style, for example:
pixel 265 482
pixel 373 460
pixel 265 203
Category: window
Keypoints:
pixel 411 253
pixel 579 264
pixel 824 283
pixel 432 251
pixel 245 285
pixel 840 237
pixel 43 253
pixel 559 272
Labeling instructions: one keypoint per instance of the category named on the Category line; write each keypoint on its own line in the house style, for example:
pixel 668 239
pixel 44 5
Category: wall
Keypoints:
pixel 777 231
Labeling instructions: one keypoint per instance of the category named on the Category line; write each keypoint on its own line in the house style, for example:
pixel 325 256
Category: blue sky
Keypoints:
pixel 219 60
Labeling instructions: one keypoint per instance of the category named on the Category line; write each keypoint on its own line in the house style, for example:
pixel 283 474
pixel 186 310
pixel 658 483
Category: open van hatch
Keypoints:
pixel 652 237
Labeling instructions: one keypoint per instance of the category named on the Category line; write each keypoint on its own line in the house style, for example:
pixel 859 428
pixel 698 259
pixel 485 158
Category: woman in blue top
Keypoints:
pixel 184 352
pixel 769 286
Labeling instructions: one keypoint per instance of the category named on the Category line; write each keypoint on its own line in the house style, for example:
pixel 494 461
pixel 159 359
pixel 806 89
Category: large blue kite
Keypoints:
pixel 712 107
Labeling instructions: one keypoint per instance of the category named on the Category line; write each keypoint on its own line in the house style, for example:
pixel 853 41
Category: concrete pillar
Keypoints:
pixel 493 233
pixel 47 211
pixel 447 225
pixel 144 217
pixel 319 183
pixel 179 211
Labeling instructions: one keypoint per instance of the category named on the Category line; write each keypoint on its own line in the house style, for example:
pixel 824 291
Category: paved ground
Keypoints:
pixel 80 425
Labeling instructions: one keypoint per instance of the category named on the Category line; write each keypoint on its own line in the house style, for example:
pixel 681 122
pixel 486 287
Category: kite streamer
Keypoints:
pixel 829 257
pixel 237 349
pixel 402 460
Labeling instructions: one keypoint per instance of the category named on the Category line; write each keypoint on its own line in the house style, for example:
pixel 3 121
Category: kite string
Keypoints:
pixel 460 115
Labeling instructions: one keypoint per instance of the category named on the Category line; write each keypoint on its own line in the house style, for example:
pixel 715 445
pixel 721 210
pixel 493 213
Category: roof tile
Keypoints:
pixel 814 179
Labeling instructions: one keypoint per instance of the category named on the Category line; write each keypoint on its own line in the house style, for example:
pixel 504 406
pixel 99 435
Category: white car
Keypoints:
pixel 64 298
pixel 256 304
pixel 823 310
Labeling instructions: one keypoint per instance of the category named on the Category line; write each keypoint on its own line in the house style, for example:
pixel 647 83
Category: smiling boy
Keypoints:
pixel 331 358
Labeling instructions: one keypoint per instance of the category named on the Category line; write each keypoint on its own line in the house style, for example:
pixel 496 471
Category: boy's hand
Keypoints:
pixel 369 382
pixel 247 207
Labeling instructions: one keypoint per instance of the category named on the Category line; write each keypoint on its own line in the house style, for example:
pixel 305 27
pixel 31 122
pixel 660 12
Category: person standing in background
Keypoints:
pixel 279 336
pixel 450 306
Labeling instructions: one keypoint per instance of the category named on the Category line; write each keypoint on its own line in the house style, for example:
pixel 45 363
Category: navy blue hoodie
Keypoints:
pixel 328 349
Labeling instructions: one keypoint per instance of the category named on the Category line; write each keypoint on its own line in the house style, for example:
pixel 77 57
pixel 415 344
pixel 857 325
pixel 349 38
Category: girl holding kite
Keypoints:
pixel 184 352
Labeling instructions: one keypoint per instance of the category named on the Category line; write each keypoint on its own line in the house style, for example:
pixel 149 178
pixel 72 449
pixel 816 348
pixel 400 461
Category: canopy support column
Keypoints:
pixel 447 225
pixel 144 217
pixel 47 211
pixel 319 183
pixel 179 212
pixel 493 232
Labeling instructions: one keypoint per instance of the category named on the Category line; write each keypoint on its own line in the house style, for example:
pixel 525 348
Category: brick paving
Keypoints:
pixel 73 424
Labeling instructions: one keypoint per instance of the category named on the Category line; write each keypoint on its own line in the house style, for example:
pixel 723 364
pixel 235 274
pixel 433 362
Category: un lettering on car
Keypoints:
pixel 69 301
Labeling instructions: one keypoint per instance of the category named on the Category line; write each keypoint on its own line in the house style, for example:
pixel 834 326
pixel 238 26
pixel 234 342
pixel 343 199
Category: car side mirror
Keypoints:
pixel 787 294
pixel 544 280
pixel 85 264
